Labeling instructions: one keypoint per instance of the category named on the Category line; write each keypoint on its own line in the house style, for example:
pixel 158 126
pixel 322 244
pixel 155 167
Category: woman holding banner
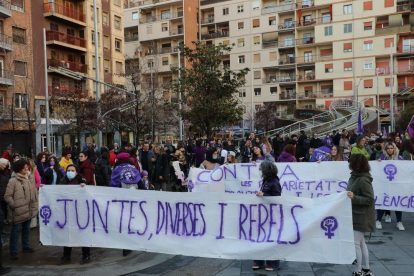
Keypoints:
pixel 390 152
pixel 361 193
pixel 212 160
pixel 73 177
pixel 270 187
pixel 258 155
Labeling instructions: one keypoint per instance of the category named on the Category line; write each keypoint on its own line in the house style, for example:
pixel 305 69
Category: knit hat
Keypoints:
pixel 144 173
pixel 123 156
pixel 4 161
pixel 9 148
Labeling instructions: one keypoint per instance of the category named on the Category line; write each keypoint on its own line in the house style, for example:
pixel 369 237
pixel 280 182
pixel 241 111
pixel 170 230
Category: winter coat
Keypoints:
pixel 344 145
pixel 112 158
pixel 315 143
pixel 408 156
pixel 64 163
pixel 384 157
pixel 49 175
pixel 38 179
pixel 21 197
pixel 337 138
pixel 150 155
pixel 87 170
pixel 7 156
pixel 328 142
pixel 41 167
pixel 246 154
pixel 363 203
pixel 125 173
pixel 4 180
pixel 352 139
pixel 301 152
pixel 375 155
pixel 286 157
pixel 278 146
pixel 102 172
pixel 271 187
pixel 360 150
pixel 162 168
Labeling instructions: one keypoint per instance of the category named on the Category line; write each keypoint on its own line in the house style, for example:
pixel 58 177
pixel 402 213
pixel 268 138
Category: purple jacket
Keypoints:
pixel 200 154
pixel 286 157
pixel 382 157
pixel 125 173
pixel 328 142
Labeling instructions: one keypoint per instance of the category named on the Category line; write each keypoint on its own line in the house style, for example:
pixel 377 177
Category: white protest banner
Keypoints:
pixel 214 225
pixel 393 181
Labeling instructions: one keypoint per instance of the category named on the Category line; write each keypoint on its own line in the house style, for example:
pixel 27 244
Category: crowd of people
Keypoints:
pixel 158 167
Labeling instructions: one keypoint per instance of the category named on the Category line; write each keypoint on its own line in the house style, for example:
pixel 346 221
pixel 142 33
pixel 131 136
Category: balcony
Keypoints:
pixel 405 49
pixel 65 91
pixel 178 31
pixel 278 9
pixel 284 95
pixel 305 41
pixel 305 4
pixel 143 3
pixel 287 26
pixel 315 94
pixel 165 50
pixel 314 21
pixel 164 16
pixel 286 43
pixel 392 30
pixel 282 79
pixel 175 65
pixel 6 78
pixel 215 35
pixel 404 7
pixel 130 38
pixel 6 42
pixel 306 77
pixel 208 20
pixel 399 69
pixel 287 61
pixel 62 12
pixel 269 44
pixel 73 66
pixel 65 40
pixel 313 58
pixel 5 9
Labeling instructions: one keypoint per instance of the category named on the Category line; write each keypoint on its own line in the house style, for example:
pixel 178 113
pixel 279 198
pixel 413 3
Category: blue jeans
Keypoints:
pixel 23 227
pixel 272 264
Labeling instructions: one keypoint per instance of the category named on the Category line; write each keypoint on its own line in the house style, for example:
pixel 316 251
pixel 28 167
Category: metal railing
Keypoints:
pixel 5 4
pixel 207 20
pixel 397 69
pixel 315 94
pixel 286 43
pixel 165 50
pixel 305 4
pixel 287 96
pixel 165 16
pixel 287 61
pixel 4 74
pixel 305 40
pixel 314 21
pixel 313 58
pixel 130 38
pixel 269 44
pixel 395 29
pixel 71 91
pixel 178 31
pixel 73 66
pixel 404 7
pixel 175 65
pixel 142 3
pixel 274 79
pixel 62 10
pixel 6 39
pixel 405 49
pixel 65 38
pixel 288 25
pixel 306 77
pixel 214 35
pixel 280 8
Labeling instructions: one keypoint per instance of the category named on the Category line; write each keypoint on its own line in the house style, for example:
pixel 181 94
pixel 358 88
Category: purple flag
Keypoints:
pixel 321 154
pixel 384 133
pixel 410 127
pixel 360 123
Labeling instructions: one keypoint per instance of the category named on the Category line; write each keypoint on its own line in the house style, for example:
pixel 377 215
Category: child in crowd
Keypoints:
pixel 145 181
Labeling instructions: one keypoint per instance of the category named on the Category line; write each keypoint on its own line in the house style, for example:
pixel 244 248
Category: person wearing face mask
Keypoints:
pixel 211 161
pixel 22 199
pixel 380 143
pixel 41 166
pixel 54 172
pixel 73 177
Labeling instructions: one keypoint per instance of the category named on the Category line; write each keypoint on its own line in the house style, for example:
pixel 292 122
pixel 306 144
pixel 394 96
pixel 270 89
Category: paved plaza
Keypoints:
pixel 391 253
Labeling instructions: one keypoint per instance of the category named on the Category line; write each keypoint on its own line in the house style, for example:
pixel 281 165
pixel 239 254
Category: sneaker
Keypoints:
pixel 85 259
pixel 359 273
pixel 378 224
pixel 367 272
pixel 255 266
pixel 387 218
pixel 400 226
pixel 269 268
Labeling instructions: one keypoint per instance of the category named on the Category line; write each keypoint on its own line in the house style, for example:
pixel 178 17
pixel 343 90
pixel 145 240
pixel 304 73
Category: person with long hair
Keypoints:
pixel 361 193
pixel 231 158
pixel 288 154
pixel 162 169
pixel 199 152
pixel 336 154
pixel 40 162
pixel 408 150
pixel 390 152
pixel 258 155
pixel 86 167
pixel 360 147
pixel 270 187
pixel 135 158
pixel 54 172
pixel 265 145
pixel 33 170
pixel 211 162
pixel 246 152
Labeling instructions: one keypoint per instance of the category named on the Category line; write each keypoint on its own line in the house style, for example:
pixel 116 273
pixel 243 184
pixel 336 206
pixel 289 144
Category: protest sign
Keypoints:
pixel 393 181
pixel 215 225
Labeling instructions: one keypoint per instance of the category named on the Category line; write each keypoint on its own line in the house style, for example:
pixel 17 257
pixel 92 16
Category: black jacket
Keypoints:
pixel 247 151
pixel 271 187
pixel 316 143
pixel 352 139
pixel 49 176
pixel 102 172
pixel 162 168
pixel 336 139
pixel 278 146
pixel 4 180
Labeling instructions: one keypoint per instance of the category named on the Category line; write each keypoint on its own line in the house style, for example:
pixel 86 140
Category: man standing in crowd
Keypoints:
pixel 301 152
pixel 169 149
pixel 146 157
pixel 7 154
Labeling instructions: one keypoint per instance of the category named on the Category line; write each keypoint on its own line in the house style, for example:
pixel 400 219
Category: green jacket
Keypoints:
pixel 407 156
pixel 363 203
pixel 360 150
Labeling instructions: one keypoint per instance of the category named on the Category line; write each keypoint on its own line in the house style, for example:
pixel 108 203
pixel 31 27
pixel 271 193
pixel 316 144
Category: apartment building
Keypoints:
pixel 306 53
pixel 70 43
pixel 16 76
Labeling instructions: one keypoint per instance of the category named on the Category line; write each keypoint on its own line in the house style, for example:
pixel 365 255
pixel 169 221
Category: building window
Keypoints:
pixel 117 21
pixel 106 65
pixel 149 29
pixel 329 68
pixel 347 66
pixel 367 5
pixel 54 27
pixel 240 9
pixel 240 42
pixel 347 28
pixel 105 18
pixel 242 93
pixel 118 45
pixel 20 100
pixel 367 26
pixel 368 45
pixel 273 90
pixel 241 59
pixel 272 20
pixel 165 61
pixel 256 5
pixel 119 67
pixel 17 5
pixel 256 40
pixel 256 58
pixel 164 27
pixel 117 2
pixel 1 102
pixel 135 16
pixel 20 68
pixel 388 42
pixel 347 47
pixel 240 25
pixel 256 23
pixel 225 11
pixel 368 64
pixel 257 75
pixel 347 9
pixel 328 30
pixel 368 83
pixel 272 56
pixel 257 92
pixel 106 42
pixel 19 35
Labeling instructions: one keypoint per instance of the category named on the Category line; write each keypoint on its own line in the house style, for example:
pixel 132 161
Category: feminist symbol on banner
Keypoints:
pixel 45 214
pixel 329 225
pixel 390 170
pixel 190 185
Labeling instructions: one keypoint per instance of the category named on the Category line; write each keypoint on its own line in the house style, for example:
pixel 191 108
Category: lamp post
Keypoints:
pixel 377 71
pixel 98 85
pixel 46 93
